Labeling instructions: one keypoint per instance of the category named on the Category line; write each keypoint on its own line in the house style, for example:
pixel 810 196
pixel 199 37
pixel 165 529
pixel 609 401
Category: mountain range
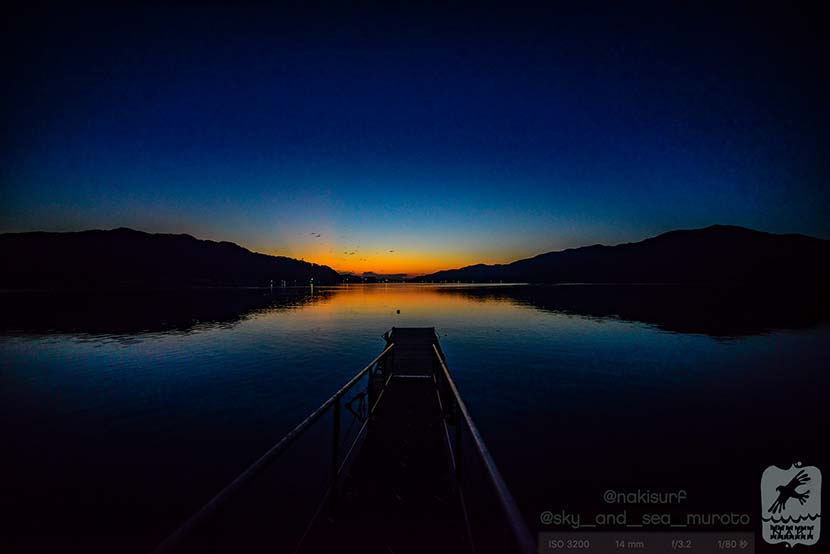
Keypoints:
pixel 124 258
pixel 716 254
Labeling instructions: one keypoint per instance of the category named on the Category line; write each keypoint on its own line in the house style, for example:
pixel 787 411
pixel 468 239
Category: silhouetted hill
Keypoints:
pixel 716 254
pixel 133 259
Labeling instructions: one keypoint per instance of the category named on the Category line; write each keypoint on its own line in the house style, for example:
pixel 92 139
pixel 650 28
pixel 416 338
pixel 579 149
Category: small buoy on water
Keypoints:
pixel 399 311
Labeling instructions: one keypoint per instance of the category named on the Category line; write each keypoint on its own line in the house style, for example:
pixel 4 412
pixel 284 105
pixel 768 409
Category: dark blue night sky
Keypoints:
pixel 418 139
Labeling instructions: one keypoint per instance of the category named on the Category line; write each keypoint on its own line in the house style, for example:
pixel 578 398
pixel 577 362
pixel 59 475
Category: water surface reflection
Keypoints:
pixel 116 401
pixel 717 311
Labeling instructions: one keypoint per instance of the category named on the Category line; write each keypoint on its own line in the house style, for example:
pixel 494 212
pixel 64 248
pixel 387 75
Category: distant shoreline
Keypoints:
pixel 124 259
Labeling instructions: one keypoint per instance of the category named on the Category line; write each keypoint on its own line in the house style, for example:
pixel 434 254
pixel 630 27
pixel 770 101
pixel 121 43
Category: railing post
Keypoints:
pixel 459 427
pixel 518 525
pixel 335 452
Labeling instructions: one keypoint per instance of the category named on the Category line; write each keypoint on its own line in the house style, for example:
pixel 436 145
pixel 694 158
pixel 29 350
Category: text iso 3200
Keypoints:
pixel 575 544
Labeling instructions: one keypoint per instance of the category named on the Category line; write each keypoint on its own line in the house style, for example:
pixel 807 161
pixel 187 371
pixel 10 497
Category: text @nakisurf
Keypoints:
pixel 644 497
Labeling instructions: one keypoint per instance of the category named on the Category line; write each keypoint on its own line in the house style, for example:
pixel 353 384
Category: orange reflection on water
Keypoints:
pixel 427 304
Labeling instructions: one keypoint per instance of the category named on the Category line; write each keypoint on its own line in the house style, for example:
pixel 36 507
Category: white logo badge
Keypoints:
pixel 791 505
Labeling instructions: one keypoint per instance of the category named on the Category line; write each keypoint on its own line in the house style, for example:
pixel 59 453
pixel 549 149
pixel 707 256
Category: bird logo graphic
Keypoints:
pixel 785 492
pixel 791 505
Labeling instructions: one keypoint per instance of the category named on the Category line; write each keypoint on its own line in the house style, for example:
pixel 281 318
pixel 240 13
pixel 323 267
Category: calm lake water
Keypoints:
pixel 122 414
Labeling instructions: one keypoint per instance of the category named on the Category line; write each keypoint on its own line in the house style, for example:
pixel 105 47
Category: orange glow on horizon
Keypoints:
pixel 409 263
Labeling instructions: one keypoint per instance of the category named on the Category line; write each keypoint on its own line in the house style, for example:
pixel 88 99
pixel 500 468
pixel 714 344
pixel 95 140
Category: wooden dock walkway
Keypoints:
pixel 399 494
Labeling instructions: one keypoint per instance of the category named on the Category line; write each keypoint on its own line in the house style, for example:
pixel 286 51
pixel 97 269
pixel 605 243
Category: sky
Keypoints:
pixel 411 140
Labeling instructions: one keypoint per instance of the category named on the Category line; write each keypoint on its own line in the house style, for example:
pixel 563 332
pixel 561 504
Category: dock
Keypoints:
pixel 415 477
pixel 400 487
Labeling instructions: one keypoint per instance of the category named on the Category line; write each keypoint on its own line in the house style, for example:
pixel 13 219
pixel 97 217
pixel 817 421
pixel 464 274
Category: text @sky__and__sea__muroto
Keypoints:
pixel 648 530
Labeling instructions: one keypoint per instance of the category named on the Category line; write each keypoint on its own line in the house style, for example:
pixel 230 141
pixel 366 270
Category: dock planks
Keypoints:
pixel 398 495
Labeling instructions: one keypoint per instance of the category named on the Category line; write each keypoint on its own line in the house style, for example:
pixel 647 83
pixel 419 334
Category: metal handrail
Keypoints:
pixel 209 509
pixel 338 468
pixel 521 533
pixel 455 466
